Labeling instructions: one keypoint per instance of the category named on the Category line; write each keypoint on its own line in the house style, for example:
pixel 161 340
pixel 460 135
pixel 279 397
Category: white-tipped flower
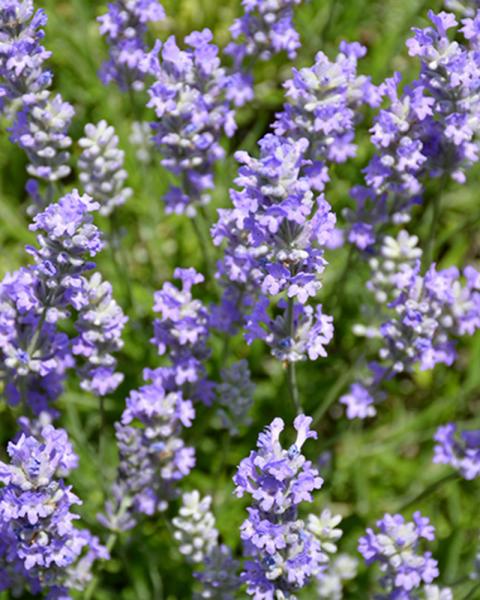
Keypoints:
pixel 195 527
pixel 331 582
pixel 101 167
pixel 325 529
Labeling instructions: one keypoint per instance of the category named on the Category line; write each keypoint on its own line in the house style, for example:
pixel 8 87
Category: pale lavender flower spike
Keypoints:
pixel 406 572
pixel 462 451
pixel 283 554
pixel 40 119
pixel 125 28
pixel 193 113
pixel 41 550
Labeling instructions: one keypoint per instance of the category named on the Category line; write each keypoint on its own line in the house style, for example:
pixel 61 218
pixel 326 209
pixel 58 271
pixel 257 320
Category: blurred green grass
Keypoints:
pixel 377 467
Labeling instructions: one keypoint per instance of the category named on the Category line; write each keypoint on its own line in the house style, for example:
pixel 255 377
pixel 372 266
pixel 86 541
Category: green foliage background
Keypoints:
pixel 382 465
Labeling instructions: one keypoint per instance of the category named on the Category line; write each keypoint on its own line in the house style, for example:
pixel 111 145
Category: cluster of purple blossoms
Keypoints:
pixel 396 547
pixel 189 100
pixel 35 353
pixel 41 120
pixel 100 323
pixel 284 553
pixel 181 332
pixel 41 130
pixel 423 316
pixel 101 167
pixel 265 29
pixel 125 27
pixel 462 452
pixel 41 550
pixel 430 130
pixel 196 532
pixel 324 103
pixel 275 236
pixel 22 56
pixel 153 456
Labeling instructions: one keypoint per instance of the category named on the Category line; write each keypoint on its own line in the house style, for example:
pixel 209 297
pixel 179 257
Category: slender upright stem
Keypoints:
pixel 112 540
pixel 291 370
pixel 197 226
pixel 472 594
pixel 431 489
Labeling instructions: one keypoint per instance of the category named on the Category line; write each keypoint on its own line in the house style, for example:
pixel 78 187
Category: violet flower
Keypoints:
pixel 283 553
pixel 41 550
pixel 396 547
pixel 462 452
pixel 192 112
pixel 125 27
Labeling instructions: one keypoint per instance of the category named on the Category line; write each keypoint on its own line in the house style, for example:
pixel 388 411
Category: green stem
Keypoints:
pixel 112 540
pixel 115 244
pixel 197 226
pixel 472 594
pixel 332 395
pixel 291 369
pixel 433 487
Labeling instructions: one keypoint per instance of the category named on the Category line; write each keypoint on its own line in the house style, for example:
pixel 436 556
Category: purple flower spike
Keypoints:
pixel 192 112
pixel 396 547
pixel 41 550
pixel 461 452
pixel 284 553
pixel 125 28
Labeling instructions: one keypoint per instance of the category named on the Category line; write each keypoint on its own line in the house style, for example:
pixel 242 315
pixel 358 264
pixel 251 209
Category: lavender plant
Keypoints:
pixel 160 433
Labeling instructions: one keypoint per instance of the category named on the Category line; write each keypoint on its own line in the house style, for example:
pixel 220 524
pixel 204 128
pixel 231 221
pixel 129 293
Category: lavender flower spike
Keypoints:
pixel 195 529
pixel 125 27
pixel 101 167
pixel 22 55
pixel 461 452
pixel 192 113
pixel 396 548
pixel 41 549
pixel 284 553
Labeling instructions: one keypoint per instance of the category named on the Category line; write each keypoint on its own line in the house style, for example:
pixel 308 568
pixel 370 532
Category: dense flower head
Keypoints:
pixel 125 28
pixel 192 112
pixel 396 547
pixel 22 73
pixel 181 332
pixel 418 327
pixel 35 352
pixel 153 456
pixel 34 355
pixel 265 29
pixel 41 549
pixel 40 119
pixel 462 452
pixel 195 529
pixel 428 130
pixel 275 234
pixel 324 103
pixel 67 238
pixel 284 553
pixel 41 130
pixel 100 323
pixel 101 167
